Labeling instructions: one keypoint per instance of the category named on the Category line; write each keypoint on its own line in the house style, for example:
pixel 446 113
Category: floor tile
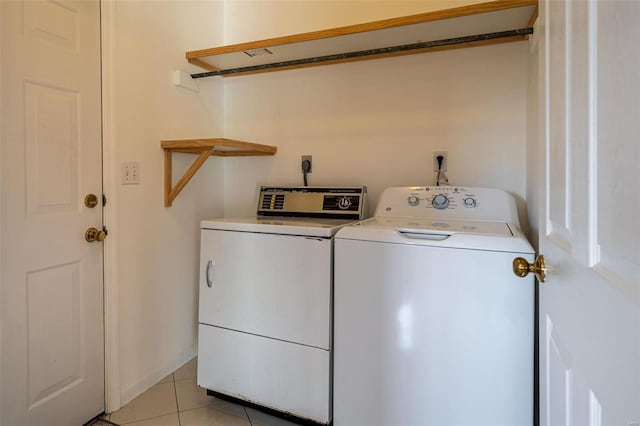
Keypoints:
pixel 187 371
pixel 212 416
pixel 168 420
pixel 258 418
pixel 191 396
pixel 169 378
pixel 157 401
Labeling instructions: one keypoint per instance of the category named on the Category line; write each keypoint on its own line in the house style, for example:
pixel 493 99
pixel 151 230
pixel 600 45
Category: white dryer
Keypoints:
pixel 431 325
pixel 265 314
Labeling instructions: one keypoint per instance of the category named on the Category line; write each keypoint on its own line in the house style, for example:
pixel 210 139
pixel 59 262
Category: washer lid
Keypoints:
pixel 435 226
pixel 458 234
pixel 313 227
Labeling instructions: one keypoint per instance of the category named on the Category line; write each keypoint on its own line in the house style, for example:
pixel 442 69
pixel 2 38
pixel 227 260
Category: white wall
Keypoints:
pixel 250 20
pixel 157 248
pixel 374 123
pixel 378 122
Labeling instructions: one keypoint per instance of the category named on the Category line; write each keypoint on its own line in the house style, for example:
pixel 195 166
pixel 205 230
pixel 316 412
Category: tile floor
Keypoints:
pixel 178 401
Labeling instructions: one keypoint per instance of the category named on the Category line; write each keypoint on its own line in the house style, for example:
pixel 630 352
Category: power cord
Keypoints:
pixel 440 159
pixel 306 166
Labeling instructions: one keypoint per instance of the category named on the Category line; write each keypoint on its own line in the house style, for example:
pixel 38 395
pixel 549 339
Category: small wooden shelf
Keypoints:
pixel 203 148
pixel 481 24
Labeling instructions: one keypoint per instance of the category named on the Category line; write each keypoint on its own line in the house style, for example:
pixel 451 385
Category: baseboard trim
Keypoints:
pixel 153 378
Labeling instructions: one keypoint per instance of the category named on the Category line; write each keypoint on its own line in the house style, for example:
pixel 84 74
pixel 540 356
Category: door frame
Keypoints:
pixel 110 218
pixel 1 251
pixel 109 188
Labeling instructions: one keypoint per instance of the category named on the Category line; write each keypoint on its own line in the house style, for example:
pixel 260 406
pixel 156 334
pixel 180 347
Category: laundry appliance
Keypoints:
pixel 265 309
pixel 432 327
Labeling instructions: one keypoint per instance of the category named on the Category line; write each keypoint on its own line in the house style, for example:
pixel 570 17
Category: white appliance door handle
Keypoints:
pixel 432 236
pixel 210 266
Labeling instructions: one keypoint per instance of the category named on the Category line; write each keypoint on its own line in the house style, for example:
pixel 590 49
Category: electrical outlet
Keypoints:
pixel 130 173
pixel 444 160
pixel 306 157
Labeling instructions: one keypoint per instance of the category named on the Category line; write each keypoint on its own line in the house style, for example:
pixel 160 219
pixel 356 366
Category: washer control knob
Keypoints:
pixel 469 202
pixel 413 200
pixel 344 203
pixel 440 202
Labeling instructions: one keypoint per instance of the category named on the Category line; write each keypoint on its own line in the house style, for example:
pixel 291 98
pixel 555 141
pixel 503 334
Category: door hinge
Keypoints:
pixel 104 200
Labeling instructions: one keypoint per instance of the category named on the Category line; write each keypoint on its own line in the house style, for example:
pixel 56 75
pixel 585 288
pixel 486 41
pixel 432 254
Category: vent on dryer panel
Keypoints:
pixel 278 204
pixel 266 201
pixel 272 202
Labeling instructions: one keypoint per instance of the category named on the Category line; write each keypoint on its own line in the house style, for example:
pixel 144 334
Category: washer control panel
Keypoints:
pixel 443 198
pixel 454 202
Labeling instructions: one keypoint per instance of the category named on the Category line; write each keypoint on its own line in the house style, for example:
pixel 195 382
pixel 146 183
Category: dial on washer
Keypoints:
pixel 440 202
pixel 469 202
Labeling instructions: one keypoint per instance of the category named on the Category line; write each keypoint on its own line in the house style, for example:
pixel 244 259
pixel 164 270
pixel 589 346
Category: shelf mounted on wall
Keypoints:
pixel 499 21
pixel 203 148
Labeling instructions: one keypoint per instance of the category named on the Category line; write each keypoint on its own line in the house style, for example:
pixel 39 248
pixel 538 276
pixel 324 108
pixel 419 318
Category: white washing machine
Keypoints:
pixel 431 325
pixel 265 310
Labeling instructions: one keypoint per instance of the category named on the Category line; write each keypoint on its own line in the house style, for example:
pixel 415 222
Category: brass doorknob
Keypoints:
pixel 522 268
pixel 92 234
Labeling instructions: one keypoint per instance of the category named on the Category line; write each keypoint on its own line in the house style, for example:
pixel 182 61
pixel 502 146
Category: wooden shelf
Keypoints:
pixel 482 24
pixel 203 148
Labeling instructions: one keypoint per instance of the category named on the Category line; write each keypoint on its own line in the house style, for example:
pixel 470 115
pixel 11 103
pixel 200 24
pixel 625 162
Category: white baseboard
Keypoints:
pixel 132 391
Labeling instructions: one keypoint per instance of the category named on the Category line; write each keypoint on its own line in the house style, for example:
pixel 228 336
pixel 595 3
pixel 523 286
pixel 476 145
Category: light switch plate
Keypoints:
pixel 130 173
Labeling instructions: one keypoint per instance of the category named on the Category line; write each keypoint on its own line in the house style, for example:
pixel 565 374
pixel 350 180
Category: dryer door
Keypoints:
pixel 276 286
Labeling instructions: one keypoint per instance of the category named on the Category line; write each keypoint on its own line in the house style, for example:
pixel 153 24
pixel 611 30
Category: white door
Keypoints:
pixel 52 367
pixel 589 233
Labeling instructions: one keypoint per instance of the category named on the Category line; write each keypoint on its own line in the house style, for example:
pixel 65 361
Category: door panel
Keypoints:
pixel 52 370
pixel 559 222
pixel 616 244
pixel 590 304
pixel 51 137
pixel 53 22
pixel 558 374
pixel 53 323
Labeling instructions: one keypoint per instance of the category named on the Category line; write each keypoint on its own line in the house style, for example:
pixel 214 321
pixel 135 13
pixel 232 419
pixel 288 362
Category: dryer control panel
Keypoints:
pixel 317 202
pixel 451 202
